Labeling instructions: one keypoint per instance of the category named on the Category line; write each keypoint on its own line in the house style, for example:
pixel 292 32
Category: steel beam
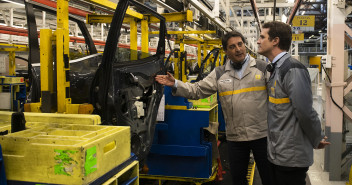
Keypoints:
pixel 208 14
pixel 170 17
pixel 293 12
pixel 255 12
pixel 112 6
pixel 247 6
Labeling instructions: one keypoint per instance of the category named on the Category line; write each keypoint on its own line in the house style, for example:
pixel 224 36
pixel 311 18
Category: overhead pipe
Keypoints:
pixel 13 29
pixel 256 15
pixel 294 11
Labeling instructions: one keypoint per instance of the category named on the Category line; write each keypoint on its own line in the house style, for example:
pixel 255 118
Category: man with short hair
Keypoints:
pixel 293 125
pixel 243 97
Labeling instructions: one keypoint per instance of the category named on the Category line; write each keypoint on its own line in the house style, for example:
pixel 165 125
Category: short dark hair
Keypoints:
pixel 228 35
pixel 281 30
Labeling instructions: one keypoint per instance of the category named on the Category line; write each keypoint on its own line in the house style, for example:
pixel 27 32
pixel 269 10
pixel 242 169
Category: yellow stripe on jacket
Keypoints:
pixel 244 90
pixel 278 100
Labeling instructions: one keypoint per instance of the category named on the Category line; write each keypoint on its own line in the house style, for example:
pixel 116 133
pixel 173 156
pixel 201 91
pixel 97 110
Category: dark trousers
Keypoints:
pixel 239 157
pixel 282 175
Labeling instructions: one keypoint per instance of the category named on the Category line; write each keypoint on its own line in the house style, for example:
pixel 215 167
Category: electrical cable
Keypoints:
pixel 168 41
pixel 330 87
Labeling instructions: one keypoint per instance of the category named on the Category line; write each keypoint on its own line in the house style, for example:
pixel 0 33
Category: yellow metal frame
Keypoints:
pixel 170 17
pixel 133 39
pixel 62 48
pixel 13 45
pixel 186 16
pixel 112 6
pixel 14 49
pixel 46 58
pixel 12 55
pixel 61 38
pixel 12 63
pixel 196 181
pixel 145 38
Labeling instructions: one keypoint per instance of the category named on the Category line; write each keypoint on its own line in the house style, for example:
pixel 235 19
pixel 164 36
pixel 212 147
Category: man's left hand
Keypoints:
pixel 323 143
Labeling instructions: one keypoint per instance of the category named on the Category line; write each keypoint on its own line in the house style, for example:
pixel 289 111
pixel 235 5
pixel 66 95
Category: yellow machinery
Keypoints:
pixel 12 88
pixel 12 48
pixel 180 17
pixel 61 39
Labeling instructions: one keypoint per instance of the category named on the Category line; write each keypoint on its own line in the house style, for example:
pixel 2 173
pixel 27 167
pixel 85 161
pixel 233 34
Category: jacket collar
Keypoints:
pixel 252 63
pixel 279 63
pixel 228 67
pixel 282 60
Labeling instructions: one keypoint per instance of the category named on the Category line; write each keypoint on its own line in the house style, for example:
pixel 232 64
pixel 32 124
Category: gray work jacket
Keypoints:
pixel 293 125
pixel 244 101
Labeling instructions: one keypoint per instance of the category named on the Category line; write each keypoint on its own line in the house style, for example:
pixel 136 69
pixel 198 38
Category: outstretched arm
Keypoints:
pixel 167 80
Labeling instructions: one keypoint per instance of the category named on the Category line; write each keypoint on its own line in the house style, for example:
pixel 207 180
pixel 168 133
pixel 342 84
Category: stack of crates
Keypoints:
pixel 64 154
pixel 55 149
pixel 36 119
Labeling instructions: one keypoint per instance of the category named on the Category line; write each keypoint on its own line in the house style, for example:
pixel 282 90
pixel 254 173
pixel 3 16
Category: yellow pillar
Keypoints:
pixel 145 38
pixel 12 63
pixel 62 55
pixel 133 39
pixel 46 60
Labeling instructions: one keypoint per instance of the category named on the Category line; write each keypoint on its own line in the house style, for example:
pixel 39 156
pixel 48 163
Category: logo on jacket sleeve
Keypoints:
pixel 257 77
pixel 225 81
pixel 273 89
